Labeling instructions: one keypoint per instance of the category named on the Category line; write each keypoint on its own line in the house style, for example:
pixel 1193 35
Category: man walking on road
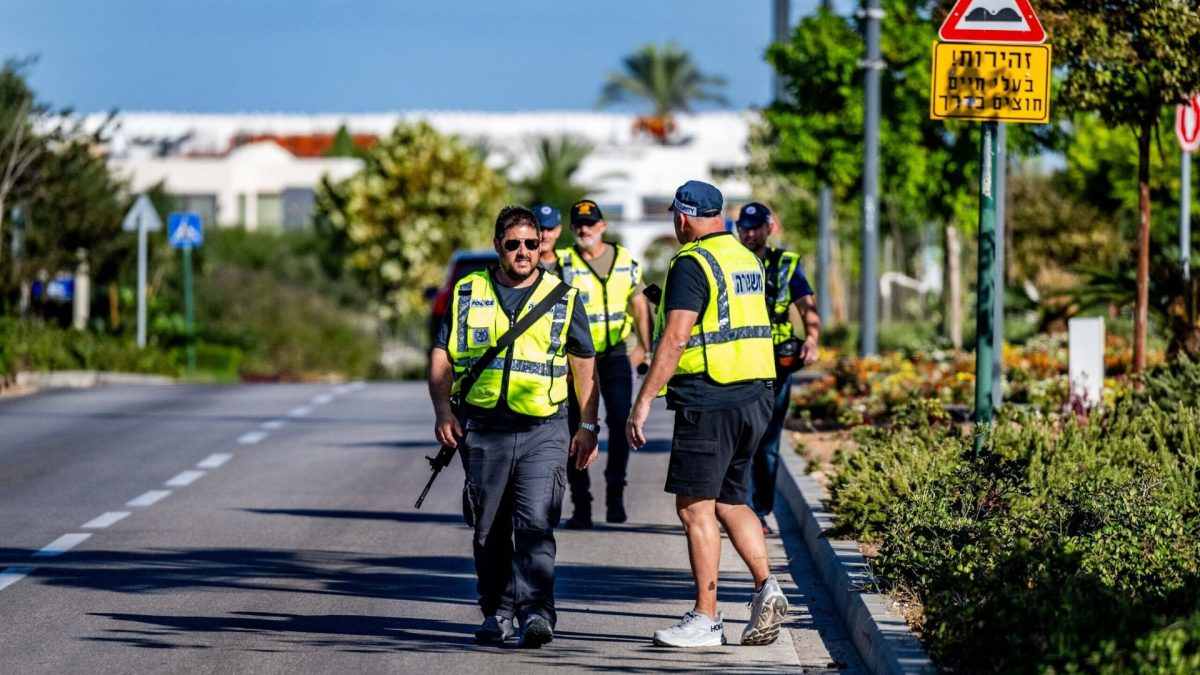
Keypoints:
pixel 609 282
pixel 511 426
pixel 714 358
pixel 786 285
pixel 550 227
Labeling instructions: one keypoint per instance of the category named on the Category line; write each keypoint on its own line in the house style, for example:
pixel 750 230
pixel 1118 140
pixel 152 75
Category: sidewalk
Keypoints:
pixel 617 584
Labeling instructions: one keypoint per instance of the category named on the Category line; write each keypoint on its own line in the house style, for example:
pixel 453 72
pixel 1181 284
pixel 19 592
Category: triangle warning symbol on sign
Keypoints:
pixel 992 21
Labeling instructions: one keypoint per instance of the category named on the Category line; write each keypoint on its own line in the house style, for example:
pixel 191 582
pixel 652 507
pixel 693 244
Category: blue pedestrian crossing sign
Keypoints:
pixel 184 230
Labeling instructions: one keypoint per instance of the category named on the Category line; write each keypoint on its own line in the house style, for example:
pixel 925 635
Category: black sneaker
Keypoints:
pixel 579 521
pixel 615 505
pixel 535 632
pixel 494 629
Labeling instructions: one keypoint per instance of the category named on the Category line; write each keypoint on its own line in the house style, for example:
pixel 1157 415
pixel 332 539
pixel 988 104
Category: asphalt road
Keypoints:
pixel 270 528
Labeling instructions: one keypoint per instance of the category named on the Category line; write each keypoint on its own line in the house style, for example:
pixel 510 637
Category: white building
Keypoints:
pixel 263 186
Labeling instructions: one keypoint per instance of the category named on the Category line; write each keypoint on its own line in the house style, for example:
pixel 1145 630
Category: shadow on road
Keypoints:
pixel 394 516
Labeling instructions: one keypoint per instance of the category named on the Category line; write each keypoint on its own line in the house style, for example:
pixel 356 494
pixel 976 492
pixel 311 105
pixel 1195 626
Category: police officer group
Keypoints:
pixel 527 428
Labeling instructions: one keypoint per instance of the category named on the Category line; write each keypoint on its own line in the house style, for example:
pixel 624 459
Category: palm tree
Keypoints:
pixel 668 79
pixel 553 182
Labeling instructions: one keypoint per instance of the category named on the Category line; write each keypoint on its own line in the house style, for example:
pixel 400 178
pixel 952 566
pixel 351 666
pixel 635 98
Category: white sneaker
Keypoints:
pixel 694 630
pixel 768 609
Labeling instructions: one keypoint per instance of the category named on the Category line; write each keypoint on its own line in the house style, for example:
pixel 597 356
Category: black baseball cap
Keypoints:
pixel 753 216
pixel 697 198
pixel 548 217
pixel 585 211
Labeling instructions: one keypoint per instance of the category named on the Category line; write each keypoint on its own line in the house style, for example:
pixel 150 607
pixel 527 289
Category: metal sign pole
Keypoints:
pixel 1185 215
pixel 1001 237
pixel 141 283
pixel 985 289
pixel 188 310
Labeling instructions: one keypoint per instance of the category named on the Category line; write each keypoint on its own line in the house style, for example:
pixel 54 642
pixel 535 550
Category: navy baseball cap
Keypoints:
pixel 753 216
pixel 547 216
pixel 585 211
pixel 697 198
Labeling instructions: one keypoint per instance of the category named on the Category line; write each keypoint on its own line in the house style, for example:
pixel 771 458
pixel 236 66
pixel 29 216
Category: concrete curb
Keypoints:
pixel 79 379
pixel 883 639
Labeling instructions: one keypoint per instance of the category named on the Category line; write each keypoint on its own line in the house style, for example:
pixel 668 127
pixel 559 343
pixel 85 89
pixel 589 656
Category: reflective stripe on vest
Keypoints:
pixel 781 323
pixel 731 341
pixel 532 372
pixel 604 301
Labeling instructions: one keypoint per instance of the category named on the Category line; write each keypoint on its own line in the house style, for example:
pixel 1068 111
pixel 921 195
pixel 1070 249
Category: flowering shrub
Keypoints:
pixel 871 390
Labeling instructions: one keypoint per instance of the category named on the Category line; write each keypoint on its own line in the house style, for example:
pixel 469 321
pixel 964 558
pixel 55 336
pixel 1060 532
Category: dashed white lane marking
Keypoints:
pixel 61 545
pixel 251 437
pixel 322 399
pixel 214 461
pixel 299 412
pixel 274 424
pixel 12 575
pixel 103 521
pixel 342 390
pixel 184 478
pixel 149 498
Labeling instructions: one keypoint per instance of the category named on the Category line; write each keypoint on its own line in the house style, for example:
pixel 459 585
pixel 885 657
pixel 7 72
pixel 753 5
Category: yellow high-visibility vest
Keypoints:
pixel 605 300
pixel 531 375
pixel 731 342
pixel 781 324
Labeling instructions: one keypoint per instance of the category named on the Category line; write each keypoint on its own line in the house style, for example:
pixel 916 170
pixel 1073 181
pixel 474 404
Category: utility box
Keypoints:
pixel 1086 357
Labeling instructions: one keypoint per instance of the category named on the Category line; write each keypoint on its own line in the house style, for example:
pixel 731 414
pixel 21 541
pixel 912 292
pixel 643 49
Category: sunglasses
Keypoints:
pixel 511 245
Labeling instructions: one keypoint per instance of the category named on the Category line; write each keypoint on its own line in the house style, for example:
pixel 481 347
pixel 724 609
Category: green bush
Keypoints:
pixel 1065 546
pixel 32 346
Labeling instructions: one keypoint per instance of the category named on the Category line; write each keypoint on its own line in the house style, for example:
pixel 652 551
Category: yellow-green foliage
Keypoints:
pixel 420 197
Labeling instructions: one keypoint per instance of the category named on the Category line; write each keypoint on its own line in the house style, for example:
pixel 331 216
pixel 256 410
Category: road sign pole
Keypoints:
pixel 985 289
pixel 188 311
pixel 825 255
pixel 1185 215
pixel 868 345
pixel 1001 237
pixel 141 285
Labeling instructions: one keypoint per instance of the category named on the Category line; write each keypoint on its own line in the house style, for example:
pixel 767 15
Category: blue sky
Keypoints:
pixel 329 56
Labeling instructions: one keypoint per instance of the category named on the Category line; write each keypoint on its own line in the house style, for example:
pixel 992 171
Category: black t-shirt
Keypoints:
pixel 687 289
pixel 579 343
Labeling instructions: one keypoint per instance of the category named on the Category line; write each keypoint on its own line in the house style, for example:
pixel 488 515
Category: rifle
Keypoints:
pixel 437 463
pixel 446 453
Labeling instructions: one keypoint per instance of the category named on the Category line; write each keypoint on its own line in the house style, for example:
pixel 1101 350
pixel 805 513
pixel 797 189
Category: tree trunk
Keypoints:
pixel 1141 305
pixel 952 285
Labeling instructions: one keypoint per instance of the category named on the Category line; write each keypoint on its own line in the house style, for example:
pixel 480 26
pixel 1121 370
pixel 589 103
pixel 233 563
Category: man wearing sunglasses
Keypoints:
pixel 610 287
pixel 511 426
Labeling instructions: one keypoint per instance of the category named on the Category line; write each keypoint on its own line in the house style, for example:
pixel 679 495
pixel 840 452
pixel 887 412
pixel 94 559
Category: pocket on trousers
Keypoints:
pixel 469 499
pixel 558 490
pixel 694 461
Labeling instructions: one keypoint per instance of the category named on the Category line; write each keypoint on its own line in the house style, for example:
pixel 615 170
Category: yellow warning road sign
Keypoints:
pixel 990 82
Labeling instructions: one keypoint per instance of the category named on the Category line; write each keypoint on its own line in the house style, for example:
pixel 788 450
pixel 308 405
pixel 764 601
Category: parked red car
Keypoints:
pixel 461 264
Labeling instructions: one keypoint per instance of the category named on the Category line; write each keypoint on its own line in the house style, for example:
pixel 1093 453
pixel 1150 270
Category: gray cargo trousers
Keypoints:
pixel 515 485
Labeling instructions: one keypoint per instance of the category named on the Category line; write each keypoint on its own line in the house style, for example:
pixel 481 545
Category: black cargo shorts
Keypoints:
pixel 711 450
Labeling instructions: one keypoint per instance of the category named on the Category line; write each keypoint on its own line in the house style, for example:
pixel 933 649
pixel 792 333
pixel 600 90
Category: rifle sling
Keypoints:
pixel 505 341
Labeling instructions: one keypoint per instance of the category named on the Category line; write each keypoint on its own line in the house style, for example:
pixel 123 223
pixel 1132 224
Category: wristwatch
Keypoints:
pixel 590 426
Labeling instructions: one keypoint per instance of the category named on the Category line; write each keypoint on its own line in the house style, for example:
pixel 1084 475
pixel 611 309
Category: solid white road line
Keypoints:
pixel 61 545
pixel 299 412
pixel 214 461
pixel 148 498
pixel 184 479
pixel 322 399
pixel 103 521
pixel 251 437
pixel 12 575
pixel 274 424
